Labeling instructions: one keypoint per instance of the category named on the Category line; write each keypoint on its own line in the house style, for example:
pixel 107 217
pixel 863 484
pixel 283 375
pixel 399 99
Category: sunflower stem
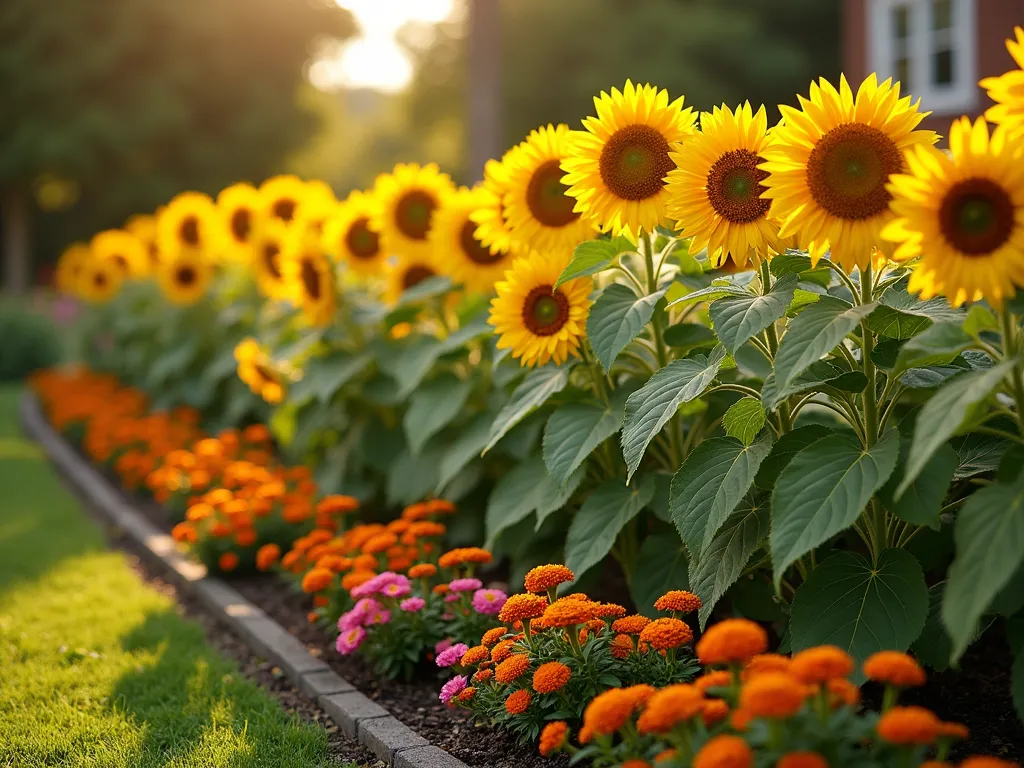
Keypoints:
pixel 1009 328
pixel 659 341
pixel 785 414
pixel 870 405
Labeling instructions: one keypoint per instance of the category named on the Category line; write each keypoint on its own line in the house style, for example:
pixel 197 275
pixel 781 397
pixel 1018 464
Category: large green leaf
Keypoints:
pixel 432 407
pixel 516 495
pixel 576 429
pixel 813 334
pixel 650 407
pixel 598 522
pixel 726 556
pixel 412 478
pixel 660 567
pixel 938 345
pixel 921 502
pixel 978 454
pixel 466 447
pixel 686 336
pixel 818 375
pixel 711 293
pixel 616 318
pixel 941 417
pixel 559 496
pixel 593 256
pixel 532 393
pixel 411 362
pixel 989 537
pixel 737 319
pixel 860 607
pixel 786 447
pixel 744 419
pixel 710 484
pixel 326 375
pixel 823 490
pixel 901 316
pixel 934 647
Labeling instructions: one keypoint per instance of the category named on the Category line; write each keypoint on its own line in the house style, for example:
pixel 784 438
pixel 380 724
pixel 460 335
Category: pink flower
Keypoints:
pixel 451 597
pixel 367 605
pixel 378 583
pixel 443 645
pixel 451 655
pixel 452 688
pixel 489 601
pixel 396 590
pixel 379 617
pixel 413 604
pixel 349 642
pixel 465 585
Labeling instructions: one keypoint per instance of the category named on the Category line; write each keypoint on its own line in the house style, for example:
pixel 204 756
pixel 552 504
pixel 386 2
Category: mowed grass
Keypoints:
pixel 96 668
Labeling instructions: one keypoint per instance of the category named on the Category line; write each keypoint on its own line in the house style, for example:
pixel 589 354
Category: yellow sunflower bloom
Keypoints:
pixel 541 216
pixel 100 281
pixel 282 196
pixel 143 226
pixel 963 215
pixel 1007 90
pixel 350 236
pixel 241 207
pixel 309 276
pixel 453 236
pixel 829 162
pixel 258 371
pixel 268 242
pixel 70 265
pixel 317 207
pixel 190 221
pixel 407 272
pixel 715 191
pixel 616 168
pixel 407 198
pixel 123 249
pixel 536 322
pixel 492 217
pixel 184 277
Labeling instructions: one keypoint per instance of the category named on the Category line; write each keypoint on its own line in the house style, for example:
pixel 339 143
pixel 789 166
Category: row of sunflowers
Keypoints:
pixel 779 365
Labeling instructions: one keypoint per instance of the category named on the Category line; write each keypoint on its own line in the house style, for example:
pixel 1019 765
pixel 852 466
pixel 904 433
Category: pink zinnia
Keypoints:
pixel 452 688
pixel 443 645
pixel 465 585
pixel 451 655
pixel 451 597
pixel 379 617
pixel 412 604
pixel 396 590
pixel 349 642
pixel 489 601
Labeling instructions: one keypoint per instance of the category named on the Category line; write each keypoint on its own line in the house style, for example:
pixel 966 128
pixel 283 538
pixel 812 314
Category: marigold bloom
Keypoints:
pixel 609 611
pixel 476 555
pixel 422 571
pixel 732 640
pixel 568 613
pixel 184 532
pixel 545 577
pixel 909 725
pixel 518 702
pixel 441 589
pixel 985 761
pixel 665 634
pixel 665 756
pixel 267 555
pixel 714 711
pixel 621 646
pixel 483 675
pixel 475 655
pixel 317 580
pixel 553 738
pixel 635 762
pixel 228 561
pixel 716 679
pixel 724 751
pixel 379 543
pixel 492 636
pixel 466 695
pixel 608 712
pixel 669 707
pixel 817 665
pixel 765 662
pixel 522 608
pixel 354 579
pixel 740 719
pixel 679 601
pixel 630 625
pixel 512 668
pixel 842 692
pixel 337 505
pixel 773 694
pixel 550 677
pixel 957 731
pixel 502 651
pixel 802 760
pixel 894 668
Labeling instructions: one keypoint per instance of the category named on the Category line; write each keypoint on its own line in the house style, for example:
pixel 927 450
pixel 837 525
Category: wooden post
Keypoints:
pixel 484 79
pixel 16 255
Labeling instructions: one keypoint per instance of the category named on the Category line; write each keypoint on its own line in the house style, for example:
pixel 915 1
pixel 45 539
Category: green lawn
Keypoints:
pixel 96 668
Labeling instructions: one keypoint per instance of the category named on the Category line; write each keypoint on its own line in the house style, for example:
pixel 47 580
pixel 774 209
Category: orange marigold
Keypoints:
pixel 842 692
pixel 665 756
pixel 337 505
pixel 422 571
pixel 476 555
pixel 716 679
pixel 550 677
pixel 353 579
pixel 380 543
pixel 773 694
pixel 679 601
pixel 817 665
pixel 522 608
pixel 608 611
pixel 512 668
pixel 545 577
pixel 567 613
pixel 518 702
pixel 492 636
pixel 909 725
pixel 184 532
pixel 802 760
pixel 765 662
pixel 724 751
pixel 665 634
pixel 894 668
pixel 228 561
pixel 937 764
pixel 317 580
pixel 467 694
pixel 502 650
pixel 630 625
pixel 267 555
pixel 985 761
pixel 622 646
pixel 441 589
pixel 483 675
pixel 715 710
pixel 732 640
pixel 635 762
pixel 475 655
pixel 669 707
pixel 608 712
pixel 553 738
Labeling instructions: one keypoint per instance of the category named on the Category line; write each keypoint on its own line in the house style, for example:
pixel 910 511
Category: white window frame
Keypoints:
pixel 962 94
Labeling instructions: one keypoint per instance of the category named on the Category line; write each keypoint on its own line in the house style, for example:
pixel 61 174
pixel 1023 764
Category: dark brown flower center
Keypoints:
pixel 976 216
pixel 634 162
pixel 473 248
pixel 241 224
pixel 189 231
pixel 186 276
pixel 416 275
pixel 545 311
pixel 269 375
pixel 848 169
pixel 310 279
pixel 362 242
pixel 99 279
pixel 413 213
pixel 271 254
pixel 734 186
pixel 154 253
pixel 546 198
pixel 284 208
pixel 121 261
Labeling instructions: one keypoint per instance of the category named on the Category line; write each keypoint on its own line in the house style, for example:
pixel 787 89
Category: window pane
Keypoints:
pixel 903 73
pixel 942 14
pixel 942 67
pixel 900 22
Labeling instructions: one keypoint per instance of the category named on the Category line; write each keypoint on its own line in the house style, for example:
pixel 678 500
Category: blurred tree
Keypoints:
pixel 135 100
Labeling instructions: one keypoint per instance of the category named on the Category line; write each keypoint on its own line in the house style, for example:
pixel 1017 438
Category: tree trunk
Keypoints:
pixel 484 84
pixel 17 261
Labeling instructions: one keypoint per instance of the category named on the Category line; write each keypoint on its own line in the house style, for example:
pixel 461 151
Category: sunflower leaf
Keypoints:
pixel 530 395
pixel 736 319
pixel 593 256
pixel 616 318
pixel 815 332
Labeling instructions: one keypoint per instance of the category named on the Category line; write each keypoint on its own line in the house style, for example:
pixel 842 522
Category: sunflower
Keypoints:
pixel 616 168
pixel 1007 90
pixel 190 220
pixel 963 214
pixel 349 234
pixel 184 277
pixel 241 207
pixel 100 280
pixel 256 369
pixel 407 198
pixel 829 162
pixel 282 196
pixel 407 272
pixel 309 276
pixel 539 212
pixel 143 226
pixel 492 215
pixel 715 191
pixel 267 244
pixel 537 323
pixel 70 266
pixel 454 239
pixel 123 249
